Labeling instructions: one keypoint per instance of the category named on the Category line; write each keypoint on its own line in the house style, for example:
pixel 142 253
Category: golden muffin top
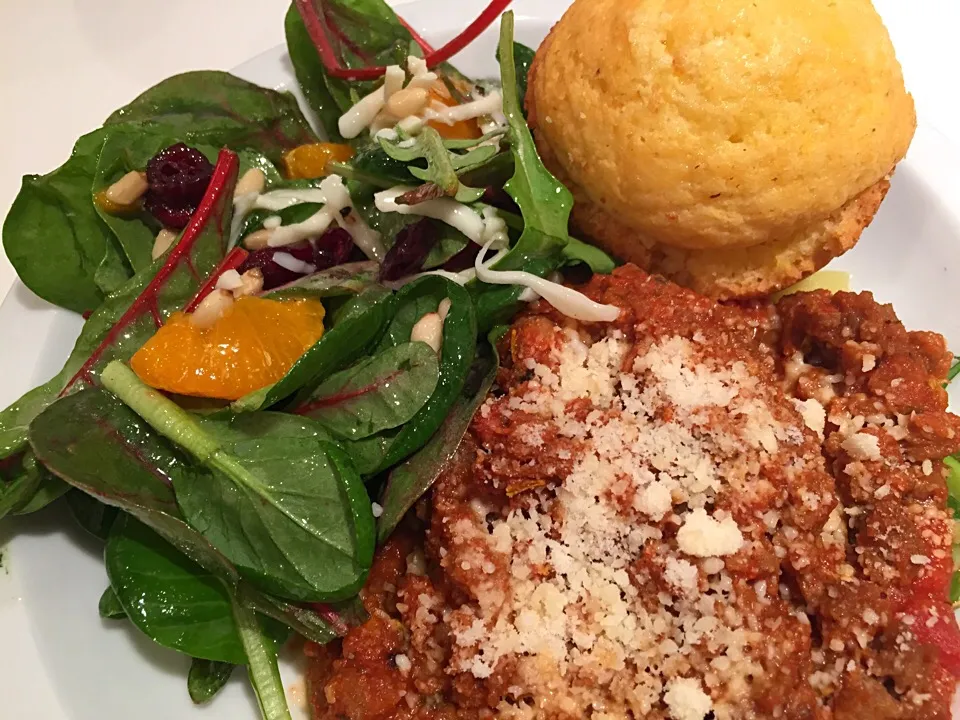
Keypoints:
pixel 721 124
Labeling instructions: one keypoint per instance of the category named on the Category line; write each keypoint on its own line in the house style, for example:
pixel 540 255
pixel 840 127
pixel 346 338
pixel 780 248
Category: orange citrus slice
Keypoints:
pixel 252 345
pixel 463 130
pixel 306 162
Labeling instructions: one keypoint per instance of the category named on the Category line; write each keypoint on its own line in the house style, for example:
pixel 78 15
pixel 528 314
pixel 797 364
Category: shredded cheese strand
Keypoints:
pixel 567 300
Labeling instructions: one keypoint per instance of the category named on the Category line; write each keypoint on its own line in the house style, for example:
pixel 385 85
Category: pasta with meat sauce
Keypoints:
pixel 696 511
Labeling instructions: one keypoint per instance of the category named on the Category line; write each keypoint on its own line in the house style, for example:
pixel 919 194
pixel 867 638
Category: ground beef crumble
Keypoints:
pixel 699 510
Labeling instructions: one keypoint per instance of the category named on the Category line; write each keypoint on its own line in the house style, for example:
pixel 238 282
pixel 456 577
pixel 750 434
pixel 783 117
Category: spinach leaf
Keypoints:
pixel 109 606
pixel 123 150
pixel 91 514
pixel 457 352
pixel 275 496
pixel 369 453
pixel 450 242
pixel 97 444
pixel 310 73
pixel 130 316
pixel 206 678
pixel 358 325
pixel 378 393
pixel 50 489
pixel 19 482
pixel 221 109
pixel 408 482
pixel 364 32
pixel 171 599
pixel 54 238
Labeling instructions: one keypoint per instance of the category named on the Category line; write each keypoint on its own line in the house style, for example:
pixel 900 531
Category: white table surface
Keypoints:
pixel 67 64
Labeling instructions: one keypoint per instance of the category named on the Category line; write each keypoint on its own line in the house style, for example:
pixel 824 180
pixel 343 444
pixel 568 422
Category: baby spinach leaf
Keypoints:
pixel 91 514
pixel 369 453
pixel 221 109
pixel 130 316
pixel 19 481
pixel 409 481
pixel 450 242
pixel 357 326
pixel 377 393
pixel 276 497
pixel 97 444
pixel 125 149
pixel 50 489
pixel 457 352
pixel 56 241
pixel 171 599
pixel 310 73
pixel 109 606
pixel 206 678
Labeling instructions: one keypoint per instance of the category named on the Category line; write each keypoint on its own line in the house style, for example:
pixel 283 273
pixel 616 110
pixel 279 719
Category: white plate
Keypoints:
pixel 61 661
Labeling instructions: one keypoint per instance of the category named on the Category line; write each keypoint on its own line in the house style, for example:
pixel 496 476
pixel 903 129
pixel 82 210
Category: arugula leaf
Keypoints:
pixel 443 165
pixel 307 527
pixel 411 480
pixel 131 315
pixel 94 442
pixel 457 352
pixel 311 75
pixel 378 393
pixel 356 327
pixel 522 59
pixel 171 599
pixel 545 203
pixel 109 606
pixel 207 678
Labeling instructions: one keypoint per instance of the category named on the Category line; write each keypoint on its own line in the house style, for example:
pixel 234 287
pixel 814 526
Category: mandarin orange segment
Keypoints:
pixel 307 162
pixel 463 130
pixel 252 345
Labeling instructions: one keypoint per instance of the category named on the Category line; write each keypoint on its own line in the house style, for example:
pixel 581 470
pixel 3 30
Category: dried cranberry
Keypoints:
pixel 333 248
pixel 464 259
pixel 178 177
pixel 274 275
pixel 409 250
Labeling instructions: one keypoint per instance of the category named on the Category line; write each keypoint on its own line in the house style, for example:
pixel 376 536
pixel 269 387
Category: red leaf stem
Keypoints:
pixel 317 28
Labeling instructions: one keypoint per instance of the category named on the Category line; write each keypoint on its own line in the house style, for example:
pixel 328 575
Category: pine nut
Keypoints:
pixel 429 330
pixel 128 189
pixel 408 101
pixel 444 308
pixel 212 308
pixel 251 283
pixel 253 180
pixel 257 240
pixel 165 240
pixel 229 280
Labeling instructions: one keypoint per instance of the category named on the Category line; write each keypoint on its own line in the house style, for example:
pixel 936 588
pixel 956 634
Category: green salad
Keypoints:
pixel 235 517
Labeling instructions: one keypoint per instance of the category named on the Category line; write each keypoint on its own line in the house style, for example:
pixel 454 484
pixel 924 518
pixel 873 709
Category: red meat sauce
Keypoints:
pixel 848 593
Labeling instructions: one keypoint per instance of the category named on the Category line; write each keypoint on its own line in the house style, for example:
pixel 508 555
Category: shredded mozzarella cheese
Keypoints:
pixel 355 120
pixel 490 104
pixel 567 300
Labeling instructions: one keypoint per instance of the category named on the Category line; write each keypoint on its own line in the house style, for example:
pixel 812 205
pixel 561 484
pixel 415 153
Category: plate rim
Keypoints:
pixel 933 159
